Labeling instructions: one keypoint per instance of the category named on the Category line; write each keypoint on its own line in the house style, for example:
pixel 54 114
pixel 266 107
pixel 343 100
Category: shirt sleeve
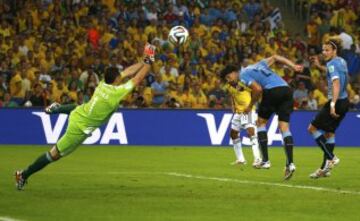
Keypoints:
pixel 246 79
pixel 263 63
pixel 124 89
pixel 333 71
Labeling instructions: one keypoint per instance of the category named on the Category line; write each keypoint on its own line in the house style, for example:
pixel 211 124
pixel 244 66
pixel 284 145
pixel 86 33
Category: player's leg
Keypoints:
pixel 250 126
pixel 325 121
pixel 288 147
pixel 342 107
pixel 330 145
pixel 322 121
pixel 41 162
pixel 235 137
pixel 72 138
pixel 56 108
pixel 264 113
pixel 288 141
pixel 284 110
pixel 263 142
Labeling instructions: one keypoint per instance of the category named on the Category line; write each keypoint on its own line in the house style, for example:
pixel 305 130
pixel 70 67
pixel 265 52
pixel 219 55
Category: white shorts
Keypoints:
pixel 243 121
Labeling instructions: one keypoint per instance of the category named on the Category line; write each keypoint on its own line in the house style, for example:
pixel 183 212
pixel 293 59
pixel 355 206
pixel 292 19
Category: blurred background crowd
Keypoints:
pixel 57 50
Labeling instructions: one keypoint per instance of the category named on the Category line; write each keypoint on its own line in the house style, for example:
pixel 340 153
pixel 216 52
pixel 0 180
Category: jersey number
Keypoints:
pixel 263 72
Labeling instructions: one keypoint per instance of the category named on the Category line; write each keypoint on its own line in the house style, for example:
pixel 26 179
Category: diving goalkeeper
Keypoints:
pixel 85 118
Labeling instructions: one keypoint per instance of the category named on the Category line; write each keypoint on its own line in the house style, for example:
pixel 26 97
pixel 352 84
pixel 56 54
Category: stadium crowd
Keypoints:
pixel 57 50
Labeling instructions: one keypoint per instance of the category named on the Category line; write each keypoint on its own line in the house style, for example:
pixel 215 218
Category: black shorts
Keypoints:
pixel 324 121
pixel 278 100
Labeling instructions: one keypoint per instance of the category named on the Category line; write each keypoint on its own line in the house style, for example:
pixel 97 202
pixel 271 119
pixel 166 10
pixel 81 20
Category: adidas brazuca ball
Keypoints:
pixel 178 35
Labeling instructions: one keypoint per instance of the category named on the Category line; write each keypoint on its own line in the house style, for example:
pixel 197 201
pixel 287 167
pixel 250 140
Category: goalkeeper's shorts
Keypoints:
pixel 72 138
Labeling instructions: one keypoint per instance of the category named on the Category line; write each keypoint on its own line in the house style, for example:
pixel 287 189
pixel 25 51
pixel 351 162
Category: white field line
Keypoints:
pixel 230 180
pixel 6 218
pixel 220 179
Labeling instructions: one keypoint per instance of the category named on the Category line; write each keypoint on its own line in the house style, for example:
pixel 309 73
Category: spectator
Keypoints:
pixel 38 98
pixel 16 92
pixel 218 93
pixel 300 94
pixel 251 9
pixel 311 102
pixel 159 89
pixel 346 39
pixel 8 102
pixel 355 102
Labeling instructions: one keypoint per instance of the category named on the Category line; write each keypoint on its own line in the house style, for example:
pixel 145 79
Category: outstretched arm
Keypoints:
pixel 133 69
pixel 141 74
pixel 149 57
pixel 277 58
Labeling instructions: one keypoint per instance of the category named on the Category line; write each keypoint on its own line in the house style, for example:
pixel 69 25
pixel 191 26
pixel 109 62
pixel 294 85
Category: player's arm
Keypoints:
pixel 277 58
pixel 141 74
pixel 256 89
pixel 149 57
pixel 256 92
pixel 133 69
pixel 335 92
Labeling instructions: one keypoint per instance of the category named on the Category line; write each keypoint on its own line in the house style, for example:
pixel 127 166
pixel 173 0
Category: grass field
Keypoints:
pixel 174 183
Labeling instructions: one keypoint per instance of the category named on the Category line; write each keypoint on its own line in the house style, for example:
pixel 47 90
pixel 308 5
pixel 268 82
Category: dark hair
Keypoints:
pixel 111 74
pixel 227 70
pixel 335 44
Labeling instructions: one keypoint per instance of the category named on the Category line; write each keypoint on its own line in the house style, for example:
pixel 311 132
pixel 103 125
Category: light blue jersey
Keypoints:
pixel 261 74
pixel 337 69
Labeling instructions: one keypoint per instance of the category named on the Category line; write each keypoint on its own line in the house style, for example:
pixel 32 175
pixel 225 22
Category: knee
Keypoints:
pixel 283 127
pixel 54 153
pixel 311 129
pixel 234 134
pixel 251 131
pixel 261 122
pixel 329 135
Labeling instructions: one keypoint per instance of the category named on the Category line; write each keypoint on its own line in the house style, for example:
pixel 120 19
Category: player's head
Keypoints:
pixel 111 73
pixel 331 48
pixel 230 74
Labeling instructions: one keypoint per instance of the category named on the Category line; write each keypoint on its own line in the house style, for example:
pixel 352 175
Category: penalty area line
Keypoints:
pixel 231 180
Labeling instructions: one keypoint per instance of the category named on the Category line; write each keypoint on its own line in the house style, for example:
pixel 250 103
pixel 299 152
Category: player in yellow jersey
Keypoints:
pixel 241 97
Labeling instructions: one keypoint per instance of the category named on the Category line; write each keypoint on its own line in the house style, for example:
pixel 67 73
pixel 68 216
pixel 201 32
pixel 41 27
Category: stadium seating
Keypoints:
pixel 58 50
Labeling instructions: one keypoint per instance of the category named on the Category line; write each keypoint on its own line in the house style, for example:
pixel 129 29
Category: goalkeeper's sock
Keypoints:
pixel 263 142
pixel 238 150
pixel 321 141
pixel 289 146
pixel 64 109
pixel 330 145
pixel 39 164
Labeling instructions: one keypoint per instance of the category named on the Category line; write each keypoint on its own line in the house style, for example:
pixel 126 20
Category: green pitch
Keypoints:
pixel 157 183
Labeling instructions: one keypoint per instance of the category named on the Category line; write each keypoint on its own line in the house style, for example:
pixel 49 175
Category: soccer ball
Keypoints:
pixel 178 35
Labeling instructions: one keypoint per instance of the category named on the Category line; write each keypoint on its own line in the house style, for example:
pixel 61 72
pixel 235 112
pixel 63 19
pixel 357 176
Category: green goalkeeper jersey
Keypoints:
pixel 101 106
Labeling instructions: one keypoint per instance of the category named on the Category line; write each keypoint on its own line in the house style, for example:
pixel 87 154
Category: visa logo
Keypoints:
pixel 114 130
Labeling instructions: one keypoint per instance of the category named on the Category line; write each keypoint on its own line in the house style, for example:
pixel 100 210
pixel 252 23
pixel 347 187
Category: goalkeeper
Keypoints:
pixel 87 117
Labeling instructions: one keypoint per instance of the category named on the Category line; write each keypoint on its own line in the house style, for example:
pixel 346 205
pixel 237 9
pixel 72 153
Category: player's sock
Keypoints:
pixel 238 150
pixel 321 141
pixel 39 163
pixel 330 145
pixel 64 109
pixel 255 147
pixel 288 145
pixel 263 142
